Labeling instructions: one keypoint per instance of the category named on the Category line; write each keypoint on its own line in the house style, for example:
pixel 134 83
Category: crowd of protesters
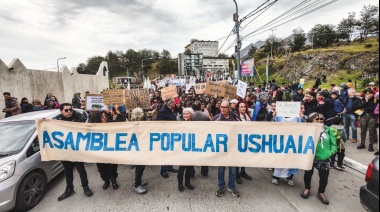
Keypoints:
pixel 339 108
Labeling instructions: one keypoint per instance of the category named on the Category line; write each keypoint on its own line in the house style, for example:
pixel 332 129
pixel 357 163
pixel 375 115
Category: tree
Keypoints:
pixel 323 35
pixel 166 55
pixel 93 64
pixel 168 66
pixel 81 68
pixel 187 51
pixel 299 40
pixel 346 27
pixel 252 51
pixel 369 21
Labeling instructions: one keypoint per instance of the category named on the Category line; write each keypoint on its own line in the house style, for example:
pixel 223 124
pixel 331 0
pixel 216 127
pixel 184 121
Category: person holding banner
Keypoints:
pixel 68 114
pixel 108 172
pixel 242 111
pixel 326 147
pixel 166 114
pixel 187 115
pixel 226 115
pixel 137 114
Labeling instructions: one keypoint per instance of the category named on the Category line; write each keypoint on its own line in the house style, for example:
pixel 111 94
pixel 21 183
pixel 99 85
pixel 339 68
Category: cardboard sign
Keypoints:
pixel 242 89
pixel 169 92
pixel 221 89
pixel 137 98
pixel 113 97
pixel 94 102
pixel 213 88
pixel 200 88
pixel 230 91
pixel 288 109
pixel 181 143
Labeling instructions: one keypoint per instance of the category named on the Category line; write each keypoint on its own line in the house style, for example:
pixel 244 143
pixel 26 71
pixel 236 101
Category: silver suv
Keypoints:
pixel 23 176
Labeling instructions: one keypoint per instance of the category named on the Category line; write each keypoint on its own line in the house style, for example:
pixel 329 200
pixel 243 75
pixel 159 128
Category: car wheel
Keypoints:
pixel 30 191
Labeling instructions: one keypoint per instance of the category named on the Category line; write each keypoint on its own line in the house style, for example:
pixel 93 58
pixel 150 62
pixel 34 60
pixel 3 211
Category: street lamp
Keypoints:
pixel 58 63
pixel 271 48
pixel 142 64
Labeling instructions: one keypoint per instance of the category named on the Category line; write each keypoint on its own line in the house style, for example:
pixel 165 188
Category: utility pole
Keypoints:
pixel 238 45
pixel 271 46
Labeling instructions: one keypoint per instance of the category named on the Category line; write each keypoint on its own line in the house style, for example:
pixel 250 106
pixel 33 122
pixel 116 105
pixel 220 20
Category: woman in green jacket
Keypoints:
pixel 326 147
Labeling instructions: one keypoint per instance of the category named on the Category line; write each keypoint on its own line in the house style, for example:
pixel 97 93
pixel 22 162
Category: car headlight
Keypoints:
pixel 7 170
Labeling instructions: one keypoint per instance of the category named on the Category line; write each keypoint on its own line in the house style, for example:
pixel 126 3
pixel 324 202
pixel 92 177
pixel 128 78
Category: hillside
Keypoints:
pixel 342 62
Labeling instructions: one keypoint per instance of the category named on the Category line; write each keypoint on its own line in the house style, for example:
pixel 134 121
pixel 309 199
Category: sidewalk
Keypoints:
pixel 358 159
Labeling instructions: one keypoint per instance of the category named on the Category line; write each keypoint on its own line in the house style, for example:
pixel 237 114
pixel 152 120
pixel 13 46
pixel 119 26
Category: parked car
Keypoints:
pixel 369 193
pixel 23 176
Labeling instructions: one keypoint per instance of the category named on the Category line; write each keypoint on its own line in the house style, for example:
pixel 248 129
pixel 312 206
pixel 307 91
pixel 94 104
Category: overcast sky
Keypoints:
pixel 38 32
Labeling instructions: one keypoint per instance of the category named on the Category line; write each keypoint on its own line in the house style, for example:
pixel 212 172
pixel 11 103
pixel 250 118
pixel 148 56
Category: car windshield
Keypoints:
pixel 14 135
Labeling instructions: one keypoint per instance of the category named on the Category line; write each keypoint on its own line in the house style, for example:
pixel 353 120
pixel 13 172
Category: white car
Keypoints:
pixel 23 176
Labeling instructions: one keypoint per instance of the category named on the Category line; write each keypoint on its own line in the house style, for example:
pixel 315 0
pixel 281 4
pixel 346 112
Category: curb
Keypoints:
pixel 355 165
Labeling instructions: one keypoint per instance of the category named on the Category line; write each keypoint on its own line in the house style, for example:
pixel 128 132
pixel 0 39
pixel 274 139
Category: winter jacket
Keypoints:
pixel 26 107
pixel 298 97
pixel 327 109
pixel 166 114
pixel 326 146
pixel 368 107
pixel 12 107
pixel 75 102
pixel 338 106
pixel 76 117
pixel 311 107
pixel 355 105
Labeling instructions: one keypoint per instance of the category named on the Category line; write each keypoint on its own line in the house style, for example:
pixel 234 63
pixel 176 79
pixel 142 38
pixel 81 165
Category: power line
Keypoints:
pixel 263 10
pixel 284 14
pixel 304 14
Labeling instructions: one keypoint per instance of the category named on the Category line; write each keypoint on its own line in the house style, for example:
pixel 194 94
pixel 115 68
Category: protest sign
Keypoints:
pixel 169 92
pixel 137 98
pixel 200 88
pixel 221 89
pixel 94 102
pixel 113 97
pixel 288 109
pixel 192 81
pixel 230 91
pixel 247 67
pixel 241 89
pixel 213 88
pixel 248 144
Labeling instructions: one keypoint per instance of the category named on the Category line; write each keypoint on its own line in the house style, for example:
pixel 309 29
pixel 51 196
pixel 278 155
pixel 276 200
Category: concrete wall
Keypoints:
pixel 35 84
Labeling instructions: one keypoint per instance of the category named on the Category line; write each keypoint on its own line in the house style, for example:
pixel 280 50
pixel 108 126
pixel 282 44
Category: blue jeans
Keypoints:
pixel 231 178
pixel 350 120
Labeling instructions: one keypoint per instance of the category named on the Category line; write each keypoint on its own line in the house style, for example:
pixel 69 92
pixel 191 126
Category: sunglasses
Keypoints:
pixel 319 119
pixel 68 110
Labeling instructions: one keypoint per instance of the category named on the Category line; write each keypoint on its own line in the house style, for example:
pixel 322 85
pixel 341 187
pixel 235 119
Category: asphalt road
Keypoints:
pixel 257 195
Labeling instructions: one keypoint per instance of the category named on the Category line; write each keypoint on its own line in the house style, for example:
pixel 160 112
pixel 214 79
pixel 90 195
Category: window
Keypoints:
pixel 33 148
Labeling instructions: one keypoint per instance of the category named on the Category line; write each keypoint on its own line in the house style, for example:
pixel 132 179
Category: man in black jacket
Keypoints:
pixel 311 103
pixel 68 114
pixel 349 118
pixel 326 107
pixel 368 120
pixel 299 96
pixel 166 114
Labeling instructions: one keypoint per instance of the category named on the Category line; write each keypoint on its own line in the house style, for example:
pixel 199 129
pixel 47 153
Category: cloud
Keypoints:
pixel 40 31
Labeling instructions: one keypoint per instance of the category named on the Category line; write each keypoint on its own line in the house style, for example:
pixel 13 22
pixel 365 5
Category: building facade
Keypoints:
pixel 207 48
pixel 190 64
pixel 213 66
